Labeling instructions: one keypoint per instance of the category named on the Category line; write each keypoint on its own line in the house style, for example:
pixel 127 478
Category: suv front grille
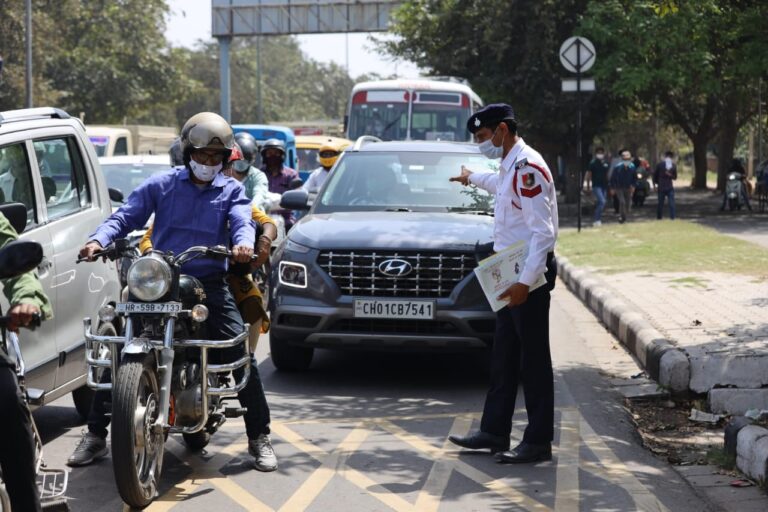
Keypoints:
pixel 434 274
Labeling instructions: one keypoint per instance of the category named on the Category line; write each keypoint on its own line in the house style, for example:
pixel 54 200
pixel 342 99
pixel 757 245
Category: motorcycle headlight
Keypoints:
pixel 149 278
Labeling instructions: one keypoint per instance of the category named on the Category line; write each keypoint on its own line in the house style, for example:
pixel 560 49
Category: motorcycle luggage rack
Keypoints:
pixel 52 483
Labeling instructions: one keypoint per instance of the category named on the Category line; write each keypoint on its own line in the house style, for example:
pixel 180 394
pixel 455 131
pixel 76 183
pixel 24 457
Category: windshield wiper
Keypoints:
pixel 400 209
pixel 474 212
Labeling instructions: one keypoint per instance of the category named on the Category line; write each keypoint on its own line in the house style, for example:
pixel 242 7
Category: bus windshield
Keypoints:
pixel 434 115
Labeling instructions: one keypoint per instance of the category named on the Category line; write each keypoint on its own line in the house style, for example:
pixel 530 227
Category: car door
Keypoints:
pixel 19 183
pixel 71 215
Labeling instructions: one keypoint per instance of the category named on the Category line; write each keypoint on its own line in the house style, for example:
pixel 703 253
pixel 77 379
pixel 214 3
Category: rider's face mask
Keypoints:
pixel 204 172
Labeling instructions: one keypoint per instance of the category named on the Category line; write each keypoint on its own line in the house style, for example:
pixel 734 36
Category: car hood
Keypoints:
pixel 393 230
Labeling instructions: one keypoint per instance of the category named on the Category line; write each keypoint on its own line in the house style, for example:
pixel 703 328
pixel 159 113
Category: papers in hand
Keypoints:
pixel 500 271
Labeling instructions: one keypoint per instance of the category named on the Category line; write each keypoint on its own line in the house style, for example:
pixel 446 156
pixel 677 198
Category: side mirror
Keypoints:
pixel 295 200
pixel 116 196
pixel 19 257
pixel 295 183
pixel 16 213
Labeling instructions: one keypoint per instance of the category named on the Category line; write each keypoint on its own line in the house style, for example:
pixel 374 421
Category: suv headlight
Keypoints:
pixel 149 278
pixel 293 274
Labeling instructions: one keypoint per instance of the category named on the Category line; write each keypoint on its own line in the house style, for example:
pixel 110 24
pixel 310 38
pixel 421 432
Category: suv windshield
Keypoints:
pixel 404 181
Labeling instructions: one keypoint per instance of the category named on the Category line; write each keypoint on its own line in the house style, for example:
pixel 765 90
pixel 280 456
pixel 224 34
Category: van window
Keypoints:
pixel 63 175
pixel 16 179
pixel 121 147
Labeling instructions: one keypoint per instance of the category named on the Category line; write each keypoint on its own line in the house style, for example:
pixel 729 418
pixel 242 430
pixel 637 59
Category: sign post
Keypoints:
pixel 577 55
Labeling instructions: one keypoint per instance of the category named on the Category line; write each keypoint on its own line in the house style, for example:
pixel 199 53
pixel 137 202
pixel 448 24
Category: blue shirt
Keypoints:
pixel 623 176
pixel 185 216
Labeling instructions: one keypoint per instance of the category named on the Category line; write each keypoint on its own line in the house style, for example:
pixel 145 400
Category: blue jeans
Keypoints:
pixel 660 207
pixel 599 193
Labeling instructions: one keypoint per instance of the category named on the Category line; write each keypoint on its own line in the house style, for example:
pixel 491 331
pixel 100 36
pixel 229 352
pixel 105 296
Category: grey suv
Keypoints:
pixel 384 258
pixel 48 164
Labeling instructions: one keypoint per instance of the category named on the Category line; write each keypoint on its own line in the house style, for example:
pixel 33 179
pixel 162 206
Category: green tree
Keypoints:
pixel 698 61
pixel 509 53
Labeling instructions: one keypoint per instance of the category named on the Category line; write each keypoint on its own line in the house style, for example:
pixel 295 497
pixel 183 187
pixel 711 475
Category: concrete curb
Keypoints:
pixel 665 363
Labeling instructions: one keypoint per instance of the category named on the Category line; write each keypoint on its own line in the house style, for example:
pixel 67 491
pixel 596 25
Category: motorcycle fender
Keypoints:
pixel 138 346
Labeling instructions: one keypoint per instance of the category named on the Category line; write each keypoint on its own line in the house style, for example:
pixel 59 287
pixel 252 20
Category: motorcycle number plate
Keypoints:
pixel 148 307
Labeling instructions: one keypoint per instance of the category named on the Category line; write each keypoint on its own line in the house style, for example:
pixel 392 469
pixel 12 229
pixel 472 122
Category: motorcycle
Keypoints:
pixel 734 191
pixel 162 380
pixel 17 258
pixel 642 188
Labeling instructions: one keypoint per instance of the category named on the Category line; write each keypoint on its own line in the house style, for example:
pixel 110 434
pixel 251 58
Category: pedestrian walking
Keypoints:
pixel 597 178
pixel 622 183
pixel 664 177
pixel 525 209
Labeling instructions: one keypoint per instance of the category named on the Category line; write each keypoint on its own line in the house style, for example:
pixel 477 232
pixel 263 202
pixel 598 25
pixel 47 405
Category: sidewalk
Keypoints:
pixel 702 332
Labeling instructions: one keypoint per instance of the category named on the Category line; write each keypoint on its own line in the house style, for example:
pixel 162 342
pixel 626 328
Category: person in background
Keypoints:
pixel 622 183
pixel 327 154
pixel 254 181
pixel 664 176
pixel 280 176
pixel 597 178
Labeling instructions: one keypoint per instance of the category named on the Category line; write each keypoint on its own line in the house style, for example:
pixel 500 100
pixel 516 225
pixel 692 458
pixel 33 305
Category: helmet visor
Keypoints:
pixel 204 135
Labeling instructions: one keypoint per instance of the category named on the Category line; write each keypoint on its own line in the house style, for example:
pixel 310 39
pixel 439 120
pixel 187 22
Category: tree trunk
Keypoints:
pixel 700 162
pixel 727 145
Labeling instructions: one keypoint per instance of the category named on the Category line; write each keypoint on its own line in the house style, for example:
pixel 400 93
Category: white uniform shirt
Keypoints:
pixel 526 206
pixel 316 180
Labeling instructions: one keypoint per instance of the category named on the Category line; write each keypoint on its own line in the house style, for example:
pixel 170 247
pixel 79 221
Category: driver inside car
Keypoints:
pixel 193 206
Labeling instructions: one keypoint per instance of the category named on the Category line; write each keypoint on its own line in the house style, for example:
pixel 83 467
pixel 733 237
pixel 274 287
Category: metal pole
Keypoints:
pixel 226 106
pixel 579 156
pixel 29 53
pixel 259 109
pixel 759 121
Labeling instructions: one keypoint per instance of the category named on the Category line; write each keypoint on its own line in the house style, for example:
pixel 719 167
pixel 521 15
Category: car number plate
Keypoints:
pixel 410 309
pixel 148 307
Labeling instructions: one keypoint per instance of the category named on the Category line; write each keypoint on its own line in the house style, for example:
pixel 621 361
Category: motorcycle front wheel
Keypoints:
pixel 136 449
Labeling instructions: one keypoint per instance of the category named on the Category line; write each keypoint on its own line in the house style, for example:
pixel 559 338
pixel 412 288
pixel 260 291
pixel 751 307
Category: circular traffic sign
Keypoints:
pixel 577 54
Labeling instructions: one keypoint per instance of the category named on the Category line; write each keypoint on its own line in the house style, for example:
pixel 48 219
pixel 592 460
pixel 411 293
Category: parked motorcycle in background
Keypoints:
pixel 642 187
pixel 735 192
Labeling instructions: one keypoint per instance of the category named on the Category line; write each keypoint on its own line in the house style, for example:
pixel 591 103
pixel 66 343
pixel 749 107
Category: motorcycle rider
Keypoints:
pixel 279 175
pixel 737 168
pixel 193 206
pixel 17 446
pixel 255 182
pixel 328 154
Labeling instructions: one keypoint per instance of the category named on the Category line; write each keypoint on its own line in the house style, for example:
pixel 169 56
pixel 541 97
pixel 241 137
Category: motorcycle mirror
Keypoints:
pixel 295 183
pixel 19 257
pixel 16 213
pixel 116 195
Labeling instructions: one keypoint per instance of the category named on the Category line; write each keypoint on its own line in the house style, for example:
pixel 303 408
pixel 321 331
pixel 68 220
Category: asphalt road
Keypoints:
pixel 367 432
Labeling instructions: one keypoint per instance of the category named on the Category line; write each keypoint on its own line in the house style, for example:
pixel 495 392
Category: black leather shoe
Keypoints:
pixel 524 453
pixel 481 440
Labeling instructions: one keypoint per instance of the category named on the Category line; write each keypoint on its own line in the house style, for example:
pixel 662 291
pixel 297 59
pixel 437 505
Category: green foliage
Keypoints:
pixel 110 60
pixel 509 52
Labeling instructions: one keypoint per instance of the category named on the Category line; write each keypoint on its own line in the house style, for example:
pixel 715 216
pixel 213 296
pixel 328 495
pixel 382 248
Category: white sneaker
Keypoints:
pixel 597 224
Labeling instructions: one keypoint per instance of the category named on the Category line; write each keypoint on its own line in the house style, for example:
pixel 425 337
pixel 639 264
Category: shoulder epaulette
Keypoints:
pixel 522 163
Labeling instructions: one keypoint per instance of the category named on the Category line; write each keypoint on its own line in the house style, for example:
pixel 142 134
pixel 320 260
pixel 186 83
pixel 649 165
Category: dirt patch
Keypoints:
pixel 665 429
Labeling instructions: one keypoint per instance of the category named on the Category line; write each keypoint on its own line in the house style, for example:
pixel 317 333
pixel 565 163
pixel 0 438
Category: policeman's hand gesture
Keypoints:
pixel 464 177
pixel 89 249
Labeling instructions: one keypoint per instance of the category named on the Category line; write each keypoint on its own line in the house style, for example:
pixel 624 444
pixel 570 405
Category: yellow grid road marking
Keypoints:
pixel 567 473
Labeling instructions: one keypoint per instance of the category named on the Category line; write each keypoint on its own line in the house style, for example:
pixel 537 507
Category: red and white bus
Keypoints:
pixel 419 109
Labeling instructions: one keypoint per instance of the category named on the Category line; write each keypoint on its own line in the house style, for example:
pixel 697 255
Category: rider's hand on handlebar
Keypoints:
pixel 22 315
pixel 242 253
pixel 89 249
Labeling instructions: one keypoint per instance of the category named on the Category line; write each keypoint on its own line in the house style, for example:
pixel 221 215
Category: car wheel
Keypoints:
pixel 287 357
pixel 83 396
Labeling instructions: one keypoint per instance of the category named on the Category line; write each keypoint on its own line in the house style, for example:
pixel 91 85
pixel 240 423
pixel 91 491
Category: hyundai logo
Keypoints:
pixel 395 268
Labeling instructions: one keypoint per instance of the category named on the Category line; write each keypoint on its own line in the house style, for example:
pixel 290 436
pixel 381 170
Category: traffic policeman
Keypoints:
pixel 525 209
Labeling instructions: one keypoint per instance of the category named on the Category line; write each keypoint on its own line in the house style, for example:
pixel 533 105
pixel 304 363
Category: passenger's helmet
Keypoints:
pixel 273 144
pixel 207 130
pixel 248 146
pixel 175 152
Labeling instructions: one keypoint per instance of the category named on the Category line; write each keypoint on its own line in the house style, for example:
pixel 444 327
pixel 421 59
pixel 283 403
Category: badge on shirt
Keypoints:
pixel 522 163
pixel 530 189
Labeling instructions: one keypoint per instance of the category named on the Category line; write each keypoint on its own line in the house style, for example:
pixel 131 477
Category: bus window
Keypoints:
pixel 383 114
pixel 440 116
